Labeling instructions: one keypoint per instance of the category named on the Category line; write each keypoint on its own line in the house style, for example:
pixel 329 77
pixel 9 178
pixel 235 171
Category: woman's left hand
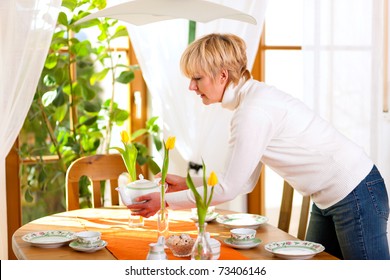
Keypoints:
pixel 148 208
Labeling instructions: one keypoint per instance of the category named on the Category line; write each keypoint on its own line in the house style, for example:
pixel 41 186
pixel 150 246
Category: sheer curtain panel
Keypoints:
pixel 201 131
pixel 26 28
pixel 344 71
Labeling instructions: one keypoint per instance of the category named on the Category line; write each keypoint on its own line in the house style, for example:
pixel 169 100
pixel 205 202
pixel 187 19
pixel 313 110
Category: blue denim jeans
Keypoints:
pixel 355 228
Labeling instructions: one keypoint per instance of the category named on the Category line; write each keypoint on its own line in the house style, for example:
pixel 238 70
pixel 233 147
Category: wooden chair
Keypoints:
pixel 97 168
pixel 286 211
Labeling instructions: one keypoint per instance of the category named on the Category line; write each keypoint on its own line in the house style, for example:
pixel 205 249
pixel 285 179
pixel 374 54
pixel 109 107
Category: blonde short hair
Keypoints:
pixel 215 52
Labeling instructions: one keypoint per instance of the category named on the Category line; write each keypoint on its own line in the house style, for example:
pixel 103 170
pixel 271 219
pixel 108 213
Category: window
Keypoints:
pixel 35 175
pixel 278 63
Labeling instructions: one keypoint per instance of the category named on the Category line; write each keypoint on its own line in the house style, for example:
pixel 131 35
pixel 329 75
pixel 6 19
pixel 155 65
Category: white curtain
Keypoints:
pixel 343 64
pixel 26 27
pixel 201 131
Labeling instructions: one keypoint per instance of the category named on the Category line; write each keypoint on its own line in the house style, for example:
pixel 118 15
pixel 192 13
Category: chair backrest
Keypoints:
pixel 286 211
pixel 97 168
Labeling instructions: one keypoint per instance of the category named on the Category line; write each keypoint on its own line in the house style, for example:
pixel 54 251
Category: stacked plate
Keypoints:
pixel 294 249
pixel 58 238
pixel 49 238
pixel 241 220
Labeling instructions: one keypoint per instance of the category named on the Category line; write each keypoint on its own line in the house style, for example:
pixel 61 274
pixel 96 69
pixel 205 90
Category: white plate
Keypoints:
pixel 78 247
pixel 49 238
pixel 241 220
pixel 294 249
pixel 229 242
pixel 209 218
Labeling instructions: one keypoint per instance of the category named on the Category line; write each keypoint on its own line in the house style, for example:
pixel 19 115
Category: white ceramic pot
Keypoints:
pixel 135 189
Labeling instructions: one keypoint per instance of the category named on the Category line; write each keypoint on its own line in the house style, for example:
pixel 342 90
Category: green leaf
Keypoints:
pixel 89 93
pixel 91 107
pixel 100 4
pixel 49 80
pixel 51 61
pixel 59 41
pixel 61 112
pixel 138 133
pixel 121 31
pixel 120 150
pixel 150 122
pixel 153 167
pixel 204 181
pixel 130 159
pixel 83 90
pixel 86 24
pixel 82 48
pixel 103 34
pixel 99 76
pixel 157 142
pixel 42 176
pixel 125 77
pixel 130 67
pixel 70 4
pixel 89 121
pixel 59 100
pixel 48 97
pixel 62 19
pixel 191 186
pixel 60 75
pixel 28 197
pixel 120 116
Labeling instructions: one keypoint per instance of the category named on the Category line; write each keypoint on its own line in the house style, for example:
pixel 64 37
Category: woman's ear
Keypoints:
pixel 224 76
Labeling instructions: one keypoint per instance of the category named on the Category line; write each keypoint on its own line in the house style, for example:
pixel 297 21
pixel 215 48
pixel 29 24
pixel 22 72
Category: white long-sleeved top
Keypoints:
pixel 271 127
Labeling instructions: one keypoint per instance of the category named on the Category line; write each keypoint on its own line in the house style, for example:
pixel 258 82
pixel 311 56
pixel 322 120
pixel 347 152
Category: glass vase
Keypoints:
pixel 202 249
pixel 162 217
pixel 163 223
pixel 135 221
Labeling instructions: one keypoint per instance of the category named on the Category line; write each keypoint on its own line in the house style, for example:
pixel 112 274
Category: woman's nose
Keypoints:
pixel 193 85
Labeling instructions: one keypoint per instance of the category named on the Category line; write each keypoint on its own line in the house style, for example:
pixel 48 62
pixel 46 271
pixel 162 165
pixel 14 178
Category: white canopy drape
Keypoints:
pixel 201 131
pixel 26 28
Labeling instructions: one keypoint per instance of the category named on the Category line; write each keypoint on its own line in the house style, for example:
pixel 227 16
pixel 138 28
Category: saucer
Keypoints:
pixel 209 218
pixel 78 247
pixel 254 243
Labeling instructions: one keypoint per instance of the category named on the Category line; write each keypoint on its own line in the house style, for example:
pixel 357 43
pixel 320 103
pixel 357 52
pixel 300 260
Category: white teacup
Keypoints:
pixel 242 235
pixel 215 248
pixel 89 238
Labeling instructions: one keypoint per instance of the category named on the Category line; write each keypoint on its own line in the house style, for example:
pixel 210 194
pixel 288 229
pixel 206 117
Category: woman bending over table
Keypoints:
pixel 350 203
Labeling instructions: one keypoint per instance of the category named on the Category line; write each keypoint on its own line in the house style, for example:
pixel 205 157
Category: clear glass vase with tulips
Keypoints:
pixel 202 249
pixel 162 214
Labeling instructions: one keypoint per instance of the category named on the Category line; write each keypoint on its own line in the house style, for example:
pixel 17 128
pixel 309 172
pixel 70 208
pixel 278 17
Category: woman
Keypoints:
pixel 350 202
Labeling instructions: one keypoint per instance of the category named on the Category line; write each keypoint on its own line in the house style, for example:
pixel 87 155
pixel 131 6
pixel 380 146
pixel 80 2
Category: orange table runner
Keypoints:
pixel 133 243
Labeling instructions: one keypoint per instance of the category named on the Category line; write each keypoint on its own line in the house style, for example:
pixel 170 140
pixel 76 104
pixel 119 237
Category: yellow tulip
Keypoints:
pixel 125 136
pixel 170 144
pixel 213 180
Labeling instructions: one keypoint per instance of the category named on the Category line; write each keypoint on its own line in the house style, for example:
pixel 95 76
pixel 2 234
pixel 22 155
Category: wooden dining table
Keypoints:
pixel 127 243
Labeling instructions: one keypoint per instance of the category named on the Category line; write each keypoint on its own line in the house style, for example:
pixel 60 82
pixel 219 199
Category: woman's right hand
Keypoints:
pixel 175 183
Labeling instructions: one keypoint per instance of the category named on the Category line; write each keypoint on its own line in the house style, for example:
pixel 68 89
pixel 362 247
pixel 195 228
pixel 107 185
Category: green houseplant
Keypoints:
pixel 69 118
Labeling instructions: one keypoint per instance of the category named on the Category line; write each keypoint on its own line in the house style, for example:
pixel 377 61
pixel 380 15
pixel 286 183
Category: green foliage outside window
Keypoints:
pixel 68 118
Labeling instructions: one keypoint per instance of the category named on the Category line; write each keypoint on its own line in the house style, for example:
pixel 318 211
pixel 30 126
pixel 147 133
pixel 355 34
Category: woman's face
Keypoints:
pixel 211 91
